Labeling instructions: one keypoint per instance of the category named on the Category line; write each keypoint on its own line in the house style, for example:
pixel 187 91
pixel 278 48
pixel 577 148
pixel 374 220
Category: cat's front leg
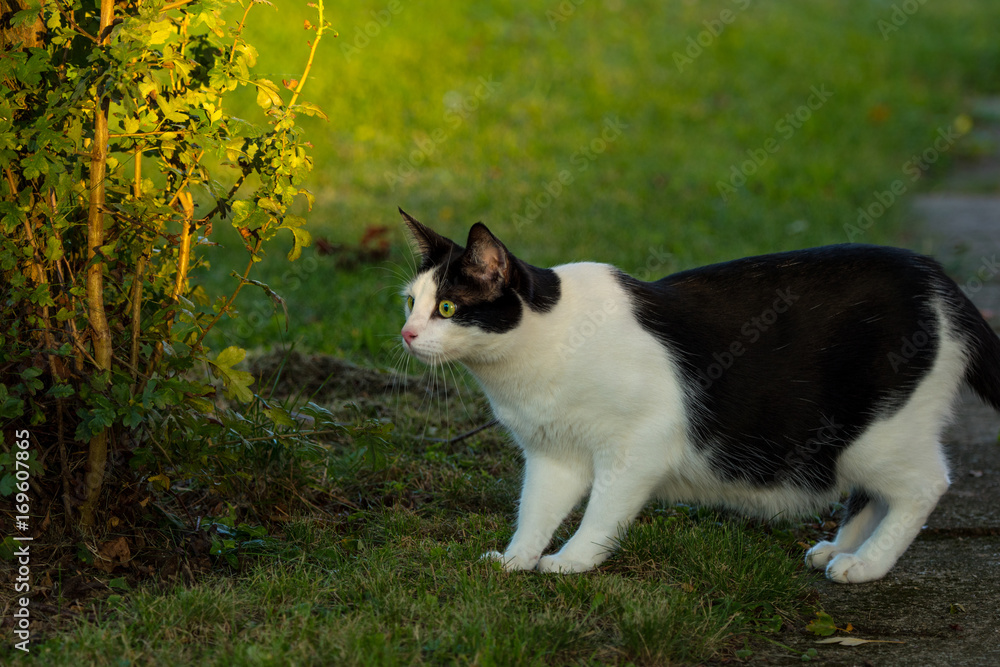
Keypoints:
pixel 552 487
pixel 620 490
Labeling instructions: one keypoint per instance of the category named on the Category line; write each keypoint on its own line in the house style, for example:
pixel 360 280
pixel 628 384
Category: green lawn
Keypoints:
pixel 656 136
pixel 390 574
pixel 474 112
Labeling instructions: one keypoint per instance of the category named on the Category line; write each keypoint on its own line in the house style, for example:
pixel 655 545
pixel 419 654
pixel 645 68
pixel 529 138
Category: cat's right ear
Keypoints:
pixel 433 247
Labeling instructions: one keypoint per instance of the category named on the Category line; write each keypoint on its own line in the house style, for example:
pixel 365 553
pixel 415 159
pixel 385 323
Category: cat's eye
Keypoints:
pixel 446 308
pixel 409 302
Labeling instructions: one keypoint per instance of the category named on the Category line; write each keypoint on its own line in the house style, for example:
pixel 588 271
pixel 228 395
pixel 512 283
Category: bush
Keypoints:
pixel 118 158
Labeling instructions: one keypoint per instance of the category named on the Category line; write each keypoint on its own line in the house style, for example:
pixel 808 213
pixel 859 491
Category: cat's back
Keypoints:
pixel 844 333
pixel 849 270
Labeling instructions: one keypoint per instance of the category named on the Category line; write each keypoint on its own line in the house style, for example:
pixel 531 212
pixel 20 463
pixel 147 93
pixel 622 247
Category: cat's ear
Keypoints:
pixel 487 260
pixel 432 246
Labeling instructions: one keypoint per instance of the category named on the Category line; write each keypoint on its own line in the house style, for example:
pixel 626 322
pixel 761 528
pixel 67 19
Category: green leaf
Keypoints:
pixel 160 31
pixel 7 548
pixel 131 124
pixel 237 382
pixel 60 390
pixel 303 239
pixel 267 94
pixel 310 109
pixel 120 584
pixel 822 625
pixel 280 416
pixel 7 484
pixel 11 407
pixel 230 356
pixel 53 249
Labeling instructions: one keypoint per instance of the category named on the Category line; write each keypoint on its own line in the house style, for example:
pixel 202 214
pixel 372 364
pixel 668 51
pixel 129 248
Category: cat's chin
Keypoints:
pixel 428 358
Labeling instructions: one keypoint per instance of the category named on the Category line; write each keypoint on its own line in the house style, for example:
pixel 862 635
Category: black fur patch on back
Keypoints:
pixel 790 356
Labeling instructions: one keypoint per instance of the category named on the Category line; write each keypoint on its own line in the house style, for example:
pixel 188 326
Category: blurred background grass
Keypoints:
pixel 468 111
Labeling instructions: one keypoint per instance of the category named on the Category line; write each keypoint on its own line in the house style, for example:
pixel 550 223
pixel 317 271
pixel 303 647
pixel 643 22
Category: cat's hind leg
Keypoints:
pixel 552 487
pixel 909 500
pixel 863 515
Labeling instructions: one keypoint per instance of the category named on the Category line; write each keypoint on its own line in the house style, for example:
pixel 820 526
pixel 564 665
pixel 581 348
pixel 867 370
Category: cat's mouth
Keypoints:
pixel 414 349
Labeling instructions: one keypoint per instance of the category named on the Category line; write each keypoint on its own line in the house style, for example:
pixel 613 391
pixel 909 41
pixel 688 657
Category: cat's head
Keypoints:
pixel 464 299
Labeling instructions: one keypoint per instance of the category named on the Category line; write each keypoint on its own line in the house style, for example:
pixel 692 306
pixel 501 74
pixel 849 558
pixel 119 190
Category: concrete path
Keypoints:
pixel 942 600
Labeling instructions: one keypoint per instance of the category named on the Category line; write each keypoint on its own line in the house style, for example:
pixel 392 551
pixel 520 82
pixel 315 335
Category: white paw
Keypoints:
pixel 850 569
pixel 511 562
pixel 821 554
pixel 555 563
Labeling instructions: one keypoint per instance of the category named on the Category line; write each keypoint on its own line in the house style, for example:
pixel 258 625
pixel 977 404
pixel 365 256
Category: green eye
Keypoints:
pixel 446 308
pixel 409 302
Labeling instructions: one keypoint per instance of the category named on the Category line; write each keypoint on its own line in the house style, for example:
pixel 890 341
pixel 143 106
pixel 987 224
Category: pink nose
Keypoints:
pixel 408 336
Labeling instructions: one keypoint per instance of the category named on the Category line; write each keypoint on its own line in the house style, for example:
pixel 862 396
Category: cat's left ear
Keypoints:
pixel 487 260
pixel 432 246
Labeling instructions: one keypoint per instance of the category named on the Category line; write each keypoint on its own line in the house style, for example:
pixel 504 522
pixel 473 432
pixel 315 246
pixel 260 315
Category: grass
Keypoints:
pixel 388 573
pixel 407 129
pixel 399 588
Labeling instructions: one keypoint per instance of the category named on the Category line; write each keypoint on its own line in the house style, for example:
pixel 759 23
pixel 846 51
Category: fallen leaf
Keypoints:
pixel 822 625
pixel 111 554
pixel 854 641
pixel 879 113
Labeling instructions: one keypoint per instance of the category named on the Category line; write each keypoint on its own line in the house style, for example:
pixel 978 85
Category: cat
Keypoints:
pixel 769 385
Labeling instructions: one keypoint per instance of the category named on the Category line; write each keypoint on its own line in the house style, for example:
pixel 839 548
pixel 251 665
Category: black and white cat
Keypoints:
pixel 769 385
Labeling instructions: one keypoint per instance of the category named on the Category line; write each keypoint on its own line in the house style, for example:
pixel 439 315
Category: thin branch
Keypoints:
pixel 175 5
pixel 239 31
pixel 463 436
pixel 320 29
pixel 232 297
pixel 184 251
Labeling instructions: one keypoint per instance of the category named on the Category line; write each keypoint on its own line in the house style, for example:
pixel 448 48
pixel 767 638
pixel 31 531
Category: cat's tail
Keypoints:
pixel 983 369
